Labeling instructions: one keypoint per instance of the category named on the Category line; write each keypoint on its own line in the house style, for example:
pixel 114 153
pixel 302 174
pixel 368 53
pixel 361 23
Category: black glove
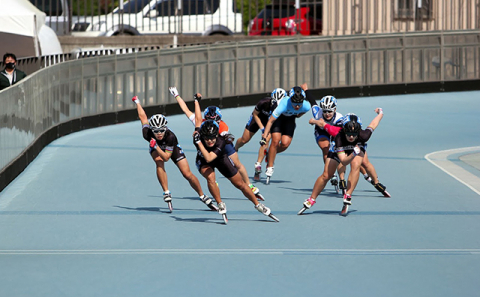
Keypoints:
pixel 263 141
pixel 196 138
pixel 198 98
pixel 229 138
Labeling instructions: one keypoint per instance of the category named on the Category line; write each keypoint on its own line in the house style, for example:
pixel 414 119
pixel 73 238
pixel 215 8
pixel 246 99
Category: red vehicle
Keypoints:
pixel 287 20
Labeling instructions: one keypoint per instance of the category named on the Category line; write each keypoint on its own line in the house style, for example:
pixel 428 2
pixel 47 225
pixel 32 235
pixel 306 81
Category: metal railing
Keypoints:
pixel 92 86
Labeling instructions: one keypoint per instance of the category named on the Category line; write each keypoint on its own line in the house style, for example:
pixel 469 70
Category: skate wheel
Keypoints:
pixel 256 177
pixel 260 197
pixel 344 210
pixel 268 180
pixel 337 189
pixel 225 219
pixel 386 194
pixel 274 218
pixel 170 206
pixel 302 210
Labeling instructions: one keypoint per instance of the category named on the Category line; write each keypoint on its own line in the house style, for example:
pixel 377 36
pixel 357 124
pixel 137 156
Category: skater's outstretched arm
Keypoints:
pixel 141 113
pixel 377 119
pixel 332 130
pixel 181 102
pixel 198 111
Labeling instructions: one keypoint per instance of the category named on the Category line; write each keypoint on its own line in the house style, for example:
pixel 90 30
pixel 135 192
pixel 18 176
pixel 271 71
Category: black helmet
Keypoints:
pixel 209 129
pixel 297 95
pixel 352 125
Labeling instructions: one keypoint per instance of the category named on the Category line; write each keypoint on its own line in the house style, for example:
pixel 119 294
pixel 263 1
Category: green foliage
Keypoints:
pixel 250 8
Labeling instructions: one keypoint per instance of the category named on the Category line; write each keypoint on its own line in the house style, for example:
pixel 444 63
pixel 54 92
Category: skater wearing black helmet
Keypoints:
pixel 281 124
pixel 350 141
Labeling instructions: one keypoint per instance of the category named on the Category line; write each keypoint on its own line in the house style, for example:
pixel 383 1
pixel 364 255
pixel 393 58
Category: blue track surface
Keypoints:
pixel 87 217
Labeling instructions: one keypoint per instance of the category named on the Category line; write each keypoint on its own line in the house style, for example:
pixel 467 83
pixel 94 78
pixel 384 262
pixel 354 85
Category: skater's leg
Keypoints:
pixel 272 150
pixel 369 169
pixel 284 144
pixel 189 176
pixel 247 135
pixel 238 182
pixel 160 170
pixel 209 174
pixel 354 174
pixel 262 149
pixel 322 180
pixel 324 145
pixel 241 168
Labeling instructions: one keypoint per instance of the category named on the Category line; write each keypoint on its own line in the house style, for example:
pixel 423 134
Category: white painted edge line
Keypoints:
pixel 440 159
pixel 244 251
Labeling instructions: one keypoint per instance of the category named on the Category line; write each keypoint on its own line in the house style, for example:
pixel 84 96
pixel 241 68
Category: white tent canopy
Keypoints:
pixel 23 30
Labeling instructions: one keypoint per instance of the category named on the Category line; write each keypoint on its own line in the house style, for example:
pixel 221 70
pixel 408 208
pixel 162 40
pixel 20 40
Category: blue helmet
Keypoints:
pixel 212 113
pixel 297 95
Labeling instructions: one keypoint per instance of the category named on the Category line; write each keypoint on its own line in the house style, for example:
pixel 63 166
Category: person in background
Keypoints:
pixel 10 75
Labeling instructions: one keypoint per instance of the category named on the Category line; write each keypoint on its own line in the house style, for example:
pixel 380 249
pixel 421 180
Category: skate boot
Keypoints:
pixel 269 174
pixel 382 189
pixel 369 179
pixel 343 186
pixel 222 209
pixel 209 202
pixel 167 197
pixel 256 192
pixel 266 211
pixel 258 171
pixel 334 182
pixel 307 204
pixel 347 201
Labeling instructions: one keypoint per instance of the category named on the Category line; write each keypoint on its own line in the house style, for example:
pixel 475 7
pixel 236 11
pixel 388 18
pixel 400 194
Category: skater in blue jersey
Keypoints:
pixel 281 124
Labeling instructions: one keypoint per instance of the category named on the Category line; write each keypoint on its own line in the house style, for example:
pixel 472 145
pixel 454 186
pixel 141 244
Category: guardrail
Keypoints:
pixel 66 94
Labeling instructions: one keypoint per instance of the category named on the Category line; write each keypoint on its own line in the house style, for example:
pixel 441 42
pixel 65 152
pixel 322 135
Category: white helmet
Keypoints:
pixel 278 94
pixel 157 121
pixel 328 103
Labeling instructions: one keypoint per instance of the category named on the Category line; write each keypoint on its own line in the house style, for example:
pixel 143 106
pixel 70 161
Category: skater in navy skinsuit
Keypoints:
pixel 348 149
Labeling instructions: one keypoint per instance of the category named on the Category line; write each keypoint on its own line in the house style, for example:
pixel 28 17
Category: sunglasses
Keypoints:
pixel 354 134
pixel 327 111
pixel 209 137
pixel 160 130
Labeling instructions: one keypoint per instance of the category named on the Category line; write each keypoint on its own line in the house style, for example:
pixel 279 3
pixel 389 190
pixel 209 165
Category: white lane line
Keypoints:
pixel 440 159
pixel 248 251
